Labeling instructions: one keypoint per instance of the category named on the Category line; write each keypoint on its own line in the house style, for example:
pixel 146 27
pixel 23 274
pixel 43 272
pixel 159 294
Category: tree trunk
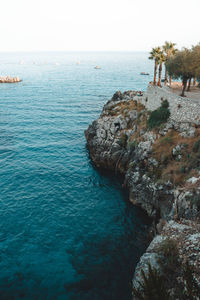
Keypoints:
pixel 155 72
pixel 160 73
pixel 170 80
pixel 189 84
pixel 194 81
pixel 166 75
pixel 184 87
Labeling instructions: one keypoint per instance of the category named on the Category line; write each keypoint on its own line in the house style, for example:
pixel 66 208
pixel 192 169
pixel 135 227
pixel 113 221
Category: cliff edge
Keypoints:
pixel 160 161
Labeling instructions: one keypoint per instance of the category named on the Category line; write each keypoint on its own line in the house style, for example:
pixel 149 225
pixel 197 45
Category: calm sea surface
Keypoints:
pixel 67 231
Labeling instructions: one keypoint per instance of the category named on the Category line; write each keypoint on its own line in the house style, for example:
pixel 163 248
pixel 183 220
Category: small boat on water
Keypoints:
pixel 144 73
pixel 97 67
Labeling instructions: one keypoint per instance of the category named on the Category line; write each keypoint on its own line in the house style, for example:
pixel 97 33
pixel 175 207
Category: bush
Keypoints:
pixel 192 288
pixel 159 116
pixel 167 140
pixel 158 285
pixel 168 249
pixel 123 140
pixel 152 286
pixel 196 147
pixel 196 201
pixel 182 170
pixel 131 145
pixel 165 104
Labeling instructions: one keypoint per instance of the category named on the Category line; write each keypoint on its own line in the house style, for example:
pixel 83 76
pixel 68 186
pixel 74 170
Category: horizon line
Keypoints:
pixel 30 51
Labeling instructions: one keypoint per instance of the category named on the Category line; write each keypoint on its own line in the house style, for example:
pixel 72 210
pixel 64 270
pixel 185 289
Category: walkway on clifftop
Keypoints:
pixel 193 94
pixel 182 109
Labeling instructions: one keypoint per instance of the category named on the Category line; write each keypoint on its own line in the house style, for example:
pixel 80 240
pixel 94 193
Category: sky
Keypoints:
pixel 97 25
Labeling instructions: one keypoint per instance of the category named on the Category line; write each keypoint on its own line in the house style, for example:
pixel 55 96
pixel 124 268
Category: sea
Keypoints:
pixel 67 229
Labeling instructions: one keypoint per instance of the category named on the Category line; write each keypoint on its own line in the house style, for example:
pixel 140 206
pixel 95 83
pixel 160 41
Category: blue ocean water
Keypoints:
pixel 67 230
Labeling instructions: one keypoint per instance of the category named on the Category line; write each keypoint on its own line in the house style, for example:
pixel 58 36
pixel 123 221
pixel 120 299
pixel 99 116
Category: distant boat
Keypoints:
pixel 97 67
pixel 144 73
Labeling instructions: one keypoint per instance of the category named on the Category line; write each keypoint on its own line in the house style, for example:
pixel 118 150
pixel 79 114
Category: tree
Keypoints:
pixel 155 55
pixel 181 66
pixel 169 51
pixel 196 61
pixel 194 64
pixel 162 59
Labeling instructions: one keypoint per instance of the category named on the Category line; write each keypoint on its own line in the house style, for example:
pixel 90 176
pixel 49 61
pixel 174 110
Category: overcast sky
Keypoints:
pixel 80 25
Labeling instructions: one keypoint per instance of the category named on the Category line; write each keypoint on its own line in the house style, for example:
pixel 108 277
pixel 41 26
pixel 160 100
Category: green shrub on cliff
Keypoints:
pixel 167 140
pixel 166 284
pixel 196 147
pixel 123 140
pixel 152 286
pixel 165 104
pixel 196 201
pixel 168 248
pixel 159 116
pixel 192 289
pixel 155 285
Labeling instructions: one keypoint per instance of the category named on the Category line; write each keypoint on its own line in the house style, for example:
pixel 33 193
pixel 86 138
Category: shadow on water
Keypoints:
pixel 105 264
pixel 68 231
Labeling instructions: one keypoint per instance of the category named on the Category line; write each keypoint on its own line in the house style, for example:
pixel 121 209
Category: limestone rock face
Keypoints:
pixel 120 141
pixel 186 234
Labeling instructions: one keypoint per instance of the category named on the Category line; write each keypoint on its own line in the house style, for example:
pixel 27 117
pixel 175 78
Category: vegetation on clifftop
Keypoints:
pixel 161 163
pixel 162 55
pixel 159 116
pixel 177 156
pixel 184 64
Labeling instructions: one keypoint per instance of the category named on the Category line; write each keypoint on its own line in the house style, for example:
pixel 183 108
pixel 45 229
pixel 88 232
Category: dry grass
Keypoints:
pixel 124 107
pixel 172 169
pixel 164 145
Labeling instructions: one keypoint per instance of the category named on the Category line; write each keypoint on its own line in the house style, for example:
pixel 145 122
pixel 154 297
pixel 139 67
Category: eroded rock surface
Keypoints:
pixel 161 168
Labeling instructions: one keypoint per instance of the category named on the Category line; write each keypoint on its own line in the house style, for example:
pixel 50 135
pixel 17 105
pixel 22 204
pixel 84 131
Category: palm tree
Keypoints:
pixel 162 59
pixel 169 51
pixel 155 55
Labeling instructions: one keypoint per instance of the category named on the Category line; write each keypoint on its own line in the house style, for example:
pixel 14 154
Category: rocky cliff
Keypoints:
pixel 160 165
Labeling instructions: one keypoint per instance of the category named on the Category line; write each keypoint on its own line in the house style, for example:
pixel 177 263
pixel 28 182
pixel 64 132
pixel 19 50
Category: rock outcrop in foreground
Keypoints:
pixel 161 169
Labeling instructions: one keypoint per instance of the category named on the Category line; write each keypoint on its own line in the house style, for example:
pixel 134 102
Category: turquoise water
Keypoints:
pixel 67 230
